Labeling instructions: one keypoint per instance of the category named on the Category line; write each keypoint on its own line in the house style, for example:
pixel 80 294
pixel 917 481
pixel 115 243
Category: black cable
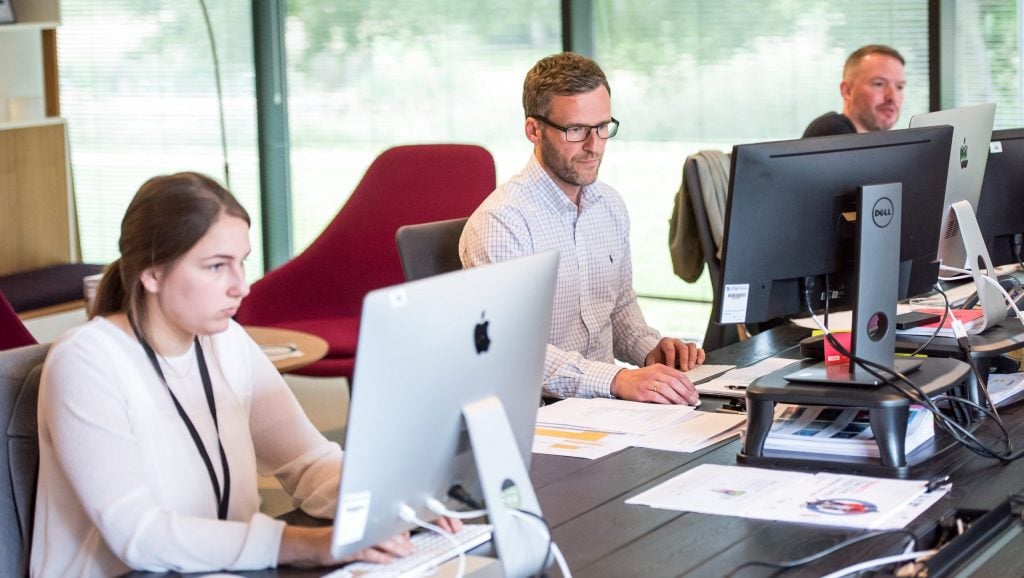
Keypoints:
pixel 461 495
pixel 789 565
pixel 960 434
pixel 942 322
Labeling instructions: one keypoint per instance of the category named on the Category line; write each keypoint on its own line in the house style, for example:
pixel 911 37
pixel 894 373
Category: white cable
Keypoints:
pixel 546 535
pixel 1006 296
pixel 438 507
pixel 562 564
pixel 409 515
pixel 922 555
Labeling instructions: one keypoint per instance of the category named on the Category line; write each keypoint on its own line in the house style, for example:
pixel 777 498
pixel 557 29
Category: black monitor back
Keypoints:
pixel 789 217
pixel 1001 206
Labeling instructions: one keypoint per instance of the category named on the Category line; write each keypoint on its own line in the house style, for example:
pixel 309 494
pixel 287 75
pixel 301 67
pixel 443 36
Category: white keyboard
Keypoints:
pixel 707 371
pixel 431 550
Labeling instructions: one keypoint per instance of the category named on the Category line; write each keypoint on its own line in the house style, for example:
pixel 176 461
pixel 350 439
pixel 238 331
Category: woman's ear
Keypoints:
pixel 150 279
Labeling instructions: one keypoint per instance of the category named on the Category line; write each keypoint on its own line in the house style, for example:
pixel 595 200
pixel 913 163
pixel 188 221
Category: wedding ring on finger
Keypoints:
pixel 654 388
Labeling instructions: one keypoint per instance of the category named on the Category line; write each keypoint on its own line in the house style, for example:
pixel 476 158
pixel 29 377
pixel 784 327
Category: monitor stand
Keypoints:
pixel 977 260
pixel 879 211
pixel 874 339
pixel 520 543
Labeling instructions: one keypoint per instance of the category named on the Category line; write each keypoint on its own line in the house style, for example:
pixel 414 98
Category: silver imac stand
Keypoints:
pixel 975 255
pixel 522 548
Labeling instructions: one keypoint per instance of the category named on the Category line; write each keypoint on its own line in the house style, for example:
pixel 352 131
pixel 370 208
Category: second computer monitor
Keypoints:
pixel 972 131
pixel 1001 206
pixel 467 343
pixel 790 217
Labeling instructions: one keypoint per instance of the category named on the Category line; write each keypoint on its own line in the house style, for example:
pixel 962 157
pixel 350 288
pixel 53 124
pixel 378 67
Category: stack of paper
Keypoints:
pixel 842 431
pixel 973 320
pixel 1005 388
pixel 592 428
pixel 824 499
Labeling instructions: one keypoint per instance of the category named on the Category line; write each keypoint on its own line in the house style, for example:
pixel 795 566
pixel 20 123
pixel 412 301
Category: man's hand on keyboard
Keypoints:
pixel 654 384
pixel 677 354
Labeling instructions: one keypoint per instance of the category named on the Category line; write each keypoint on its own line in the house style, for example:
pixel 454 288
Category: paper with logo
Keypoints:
pixel 823 499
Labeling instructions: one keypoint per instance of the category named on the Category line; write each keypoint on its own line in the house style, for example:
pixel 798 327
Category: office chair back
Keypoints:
pixel 20 369
pixel 321 290
pixel 13 332
pixel 716 335
pixel 430 249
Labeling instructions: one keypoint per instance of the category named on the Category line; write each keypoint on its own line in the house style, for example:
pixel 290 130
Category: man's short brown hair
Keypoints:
pixel 854 59
pixel 562 74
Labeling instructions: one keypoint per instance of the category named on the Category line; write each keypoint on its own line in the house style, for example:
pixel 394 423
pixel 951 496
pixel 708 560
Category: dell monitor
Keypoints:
pixel 791 223
pixel 446 388
pixel 1001 206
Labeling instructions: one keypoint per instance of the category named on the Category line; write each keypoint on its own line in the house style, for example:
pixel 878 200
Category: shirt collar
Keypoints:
pixel 553 195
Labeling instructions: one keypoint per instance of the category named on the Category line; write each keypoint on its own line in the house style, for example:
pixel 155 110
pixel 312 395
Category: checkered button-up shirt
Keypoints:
pixel 596 319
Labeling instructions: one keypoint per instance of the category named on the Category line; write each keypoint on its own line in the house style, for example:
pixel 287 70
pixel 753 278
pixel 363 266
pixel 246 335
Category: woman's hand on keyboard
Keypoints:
pixel 450 525
pixel 306 547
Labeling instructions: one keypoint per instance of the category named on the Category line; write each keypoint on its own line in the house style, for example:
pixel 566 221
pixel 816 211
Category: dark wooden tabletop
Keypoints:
pixel 600 535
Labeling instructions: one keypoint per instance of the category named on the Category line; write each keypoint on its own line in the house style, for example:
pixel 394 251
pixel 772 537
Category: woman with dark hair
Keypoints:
pixel 155 417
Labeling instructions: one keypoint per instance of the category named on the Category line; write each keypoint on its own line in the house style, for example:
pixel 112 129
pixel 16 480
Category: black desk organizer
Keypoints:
pixel 889 411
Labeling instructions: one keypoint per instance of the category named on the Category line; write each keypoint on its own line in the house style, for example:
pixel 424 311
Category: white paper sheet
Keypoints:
pixel 612 415
pixel 823 499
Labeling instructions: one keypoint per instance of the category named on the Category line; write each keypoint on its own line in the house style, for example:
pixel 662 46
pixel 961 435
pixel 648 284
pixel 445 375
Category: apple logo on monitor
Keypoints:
pixel 480 337
pixel 963 155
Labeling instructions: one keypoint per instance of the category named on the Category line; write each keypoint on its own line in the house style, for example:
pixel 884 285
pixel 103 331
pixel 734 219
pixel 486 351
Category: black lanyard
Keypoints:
pixel 222 499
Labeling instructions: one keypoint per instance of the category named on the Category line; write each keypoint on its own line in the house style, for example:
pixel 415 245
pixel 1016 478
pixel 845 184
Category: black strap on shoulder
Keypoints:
pixel 223 498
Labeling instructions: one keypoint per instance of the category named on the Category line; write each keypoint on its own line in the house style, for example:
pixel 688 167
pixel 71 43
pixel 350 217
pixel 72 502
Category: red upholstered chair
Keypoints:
pixel 12 331
pixel 321 290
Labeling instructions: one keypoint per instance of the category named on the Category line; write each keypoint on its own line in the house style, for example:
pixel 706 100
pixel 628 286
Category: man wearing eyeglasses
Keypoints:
pixel 556 202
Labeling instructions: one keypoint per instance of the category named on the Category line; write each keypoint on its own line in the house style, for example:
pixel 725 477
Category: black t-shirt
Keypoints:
pixel 829 124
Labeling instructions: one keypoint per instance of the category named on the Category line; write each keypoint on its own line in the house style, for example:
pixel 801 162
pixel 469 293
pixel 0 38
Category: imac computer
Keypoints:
pixel 445 393
pixel 792 235
pixel 1001 206
pixel 961 246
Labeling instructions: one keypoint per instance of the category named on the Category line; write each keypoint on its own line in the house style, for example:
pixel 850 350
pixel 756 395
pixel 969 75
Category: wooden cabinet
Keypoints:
pixel 37 218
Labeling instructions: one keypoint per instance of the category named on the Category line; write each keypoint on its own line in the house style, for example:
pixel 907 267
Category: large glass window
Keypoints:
pixel 366 76
pixel 688 76
pixel 138 90
pixel 982 62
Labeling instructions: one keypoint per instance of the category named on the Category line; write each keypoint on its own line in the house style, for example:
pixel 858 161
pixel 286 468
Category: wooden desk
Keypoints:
pixel 308 348
pixel 601 535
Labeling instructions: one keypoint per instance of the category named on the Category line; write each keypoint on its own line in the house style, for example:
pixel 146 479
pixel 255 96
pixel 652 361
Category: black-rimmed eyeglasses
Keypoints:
pixel 578 133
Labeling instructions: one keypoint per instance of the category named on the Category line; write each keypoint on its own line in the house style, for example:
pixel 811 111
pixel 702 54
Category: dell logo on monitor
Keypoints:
pixel 882 212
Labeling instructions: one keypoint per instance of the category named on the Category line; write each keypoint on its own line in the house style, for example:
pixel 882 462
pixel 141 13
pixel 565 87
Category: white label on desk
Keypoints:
pixel 355 510
pixel 734 303
pixel 995 146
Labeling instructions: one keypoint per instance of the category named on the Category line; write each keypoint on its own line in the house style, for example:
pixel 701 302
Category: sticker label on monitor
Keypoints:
pixel 734 303
pixel 355 511
pixel 995 146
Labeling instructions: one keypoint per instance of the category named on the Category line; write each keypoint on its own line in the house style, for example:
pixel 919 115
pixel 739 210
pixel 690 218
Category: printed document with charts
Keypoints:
pixel 824 499
pixel 593 428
